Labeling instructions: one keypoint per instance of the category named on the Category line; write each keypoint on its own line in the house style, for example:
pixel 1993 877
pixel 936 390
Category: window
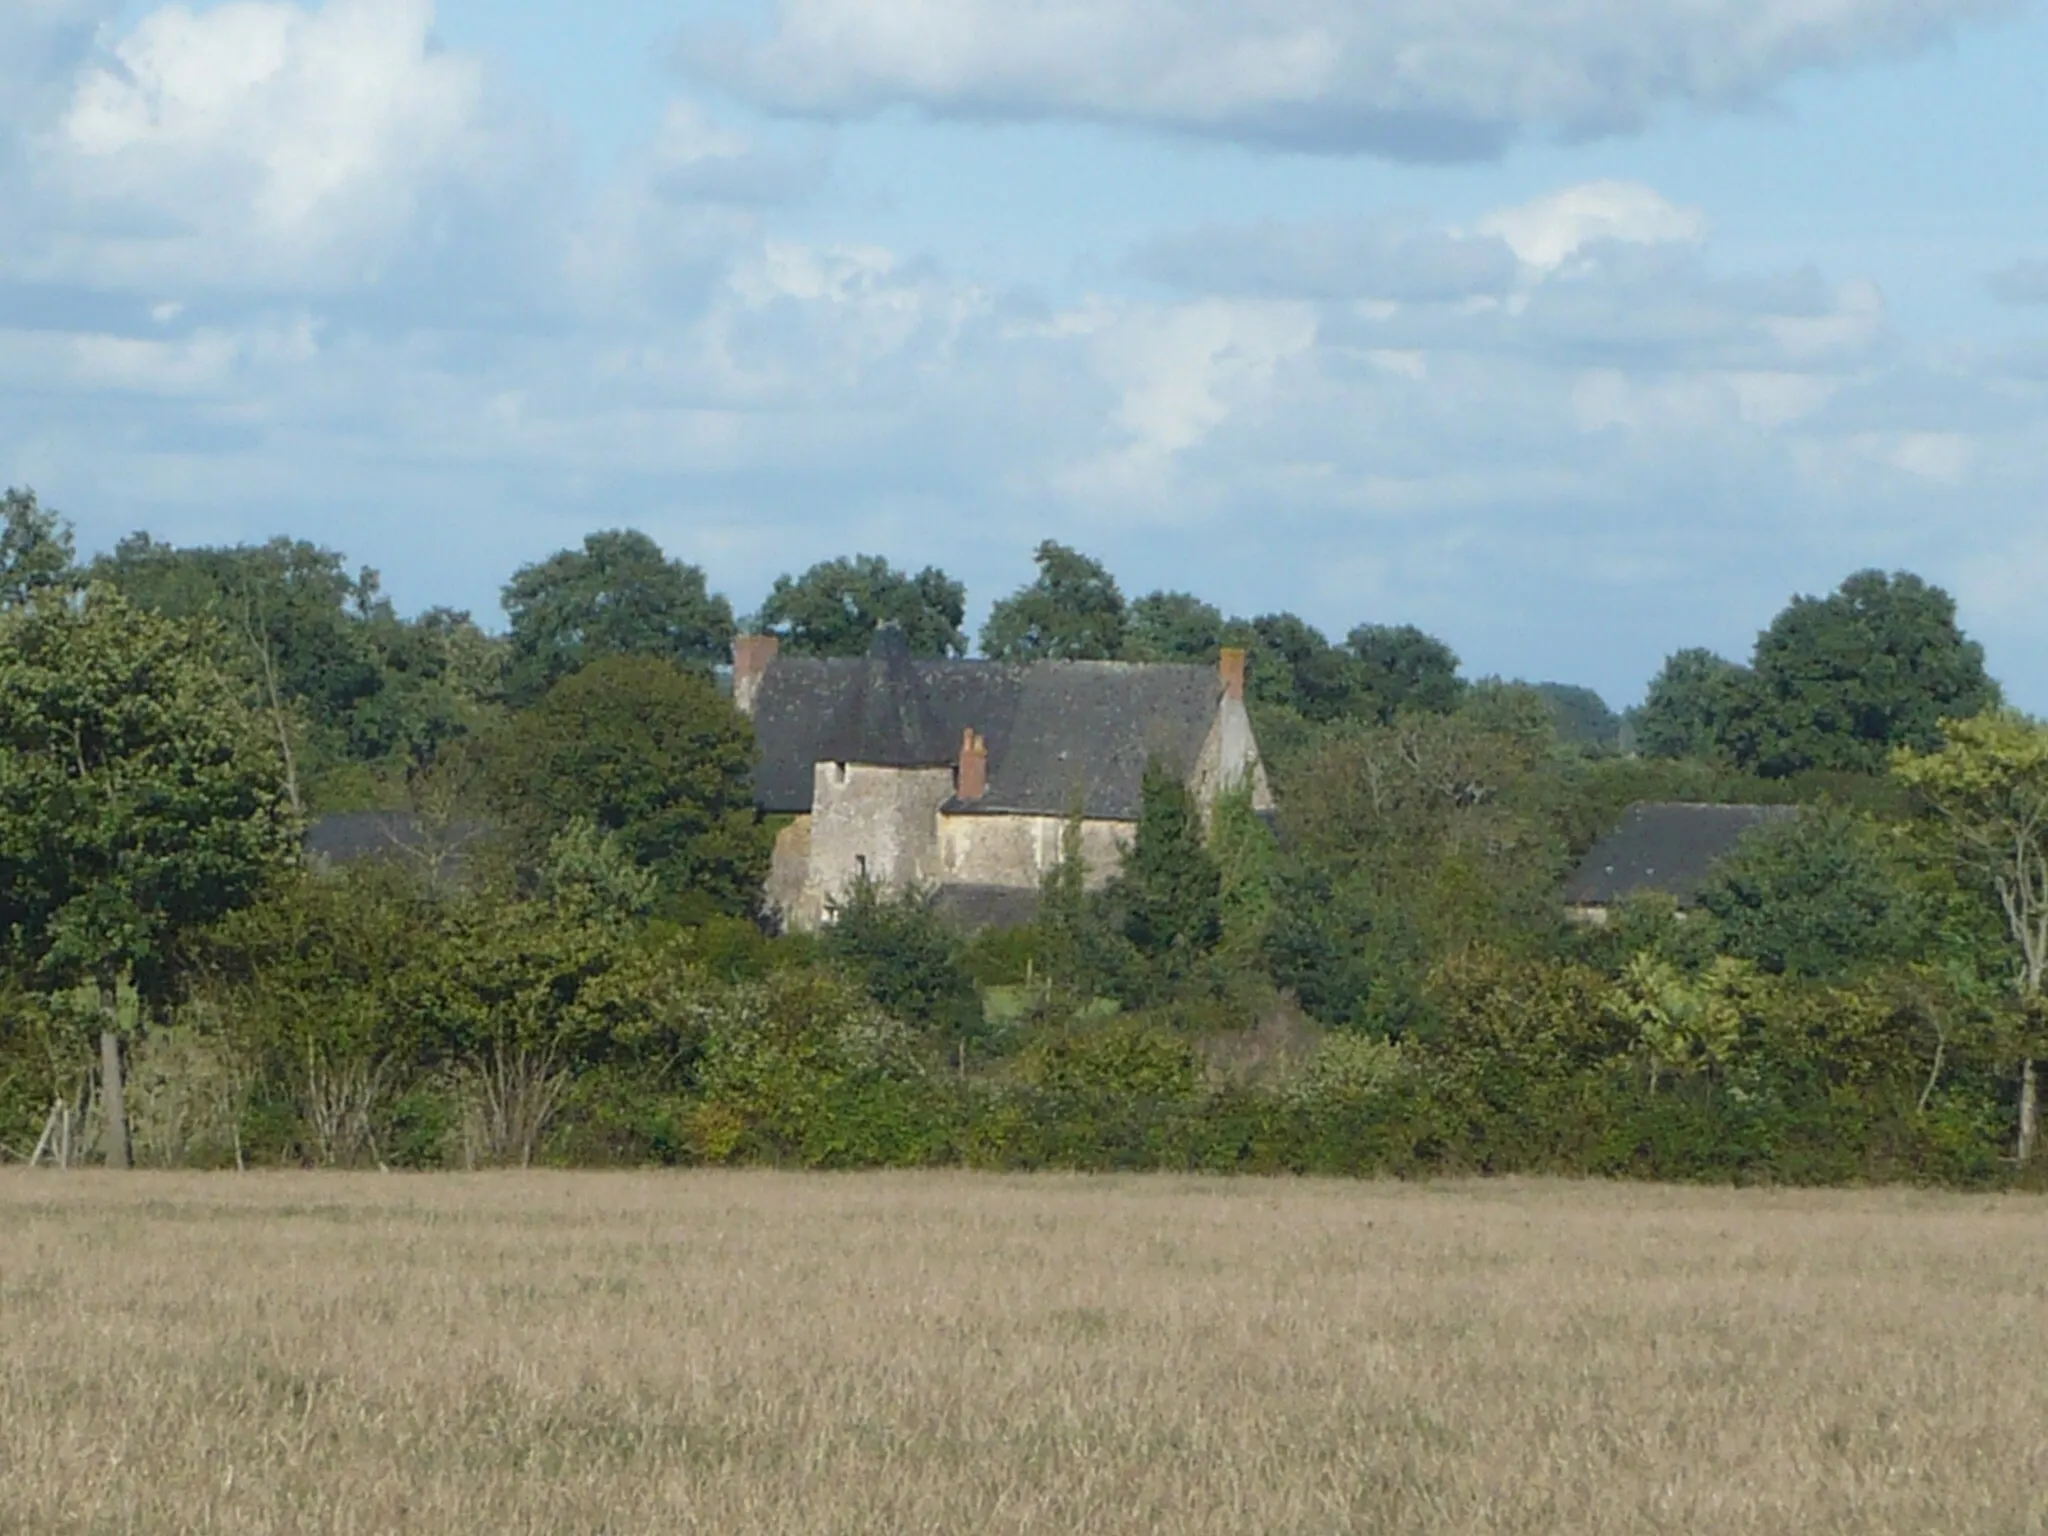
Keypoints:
pixel 860 866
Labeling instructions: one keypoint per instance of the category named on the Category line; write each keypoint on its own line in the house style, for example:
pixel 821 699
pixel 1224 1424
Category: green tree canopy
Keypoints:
pixel 1820 895
pixel 1843 680
pixel 1294 666
pixel 140 798
pixel 1169 891
pixel 1173 626
pixel 908 960
pixel 321 649
pixel 1398 666
pixel 836 606
pixel 1072 612
pixel 654 753
pixel 1691 706
pixel 1582 716
pixel 616 596
pixel 37 553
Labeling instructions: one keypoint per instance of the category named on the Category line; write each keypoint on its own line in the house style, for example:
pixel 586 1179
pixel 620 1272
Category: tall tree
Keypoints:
pixel 140 798
pixel 616 596
pixel 836 606
pixel 1294 666
pixel 37 553
pixel 1582 716
pixel 1072 612
pixel 1844 679
pixel 341 677
pixel 1988 785
pixel 1170 891
pixel 1173 626
pixel 1398 666
pixel 654 753
pixel 1691 706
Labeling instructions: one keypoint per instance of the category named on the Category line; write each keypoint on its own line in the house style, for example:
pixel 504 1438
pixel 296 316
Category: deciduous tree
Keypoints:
pixel 650 751
pixel 835 607
pixel 140 797
pixel 616 596
pixel 1072 612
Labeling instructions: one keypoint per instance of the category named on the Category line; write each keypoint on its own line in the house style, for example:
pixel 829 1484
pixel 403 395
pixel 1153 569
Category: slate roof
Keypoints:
pixel 347 837
pixel 1664 847
pixel 1055 729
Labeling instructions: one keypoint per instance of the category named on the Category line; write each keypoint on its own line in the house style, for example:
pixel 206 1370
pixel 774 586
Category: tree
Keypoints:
pixel 352 692
pixel 617 596
pixel 1582 716
pixel 1842 680
pixel 1294 666
pixel 140 799
pixel 650 751
pixel 1072 612
pixel 1818 895
pixel 1988 785
pixel 908 961
pixel 1173 626
pixel 836 606
pixel 37 553
pixel 1399 667
pixel 1691 706
pixel 1169 891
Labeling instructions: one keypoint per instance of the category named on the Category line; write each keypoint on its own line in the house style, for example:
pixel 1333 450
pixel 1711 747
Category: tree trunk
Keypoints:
pixel 115 1113
pixel 2030 1112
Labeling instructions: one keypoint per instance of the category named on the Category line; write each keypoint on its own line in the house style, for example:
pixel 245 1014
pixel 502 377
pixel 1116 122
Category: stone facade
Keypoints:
pixel 879 822
pixel 960 777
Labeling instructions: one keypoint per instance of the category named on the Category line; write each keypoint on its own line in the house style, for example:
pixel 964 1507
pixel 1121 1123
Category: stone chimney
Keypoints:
pixel 972 781
pixel 751 657
pixel 1230 669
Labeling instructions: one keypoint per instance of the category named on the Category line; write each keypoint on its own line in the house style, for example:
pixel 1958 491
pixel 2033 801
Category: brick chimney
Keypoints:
pixel 972 779
pixel 1230 669
pixel 751 657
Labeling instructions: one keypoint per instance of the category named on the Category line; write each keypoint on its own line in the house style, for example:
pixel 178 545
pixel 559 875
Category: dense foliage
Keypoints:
pixel 1381 976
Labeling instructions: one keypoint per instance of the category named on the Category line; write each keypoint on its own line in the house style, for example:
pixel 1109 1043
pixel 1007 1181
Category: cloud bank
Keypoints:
pixel 1420 80
pixel 294 267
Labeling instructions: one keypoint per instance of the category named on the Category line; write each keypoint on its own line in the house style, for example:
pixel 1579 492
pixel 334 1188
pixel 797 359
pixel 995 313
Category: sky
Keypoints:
pixel 1574 331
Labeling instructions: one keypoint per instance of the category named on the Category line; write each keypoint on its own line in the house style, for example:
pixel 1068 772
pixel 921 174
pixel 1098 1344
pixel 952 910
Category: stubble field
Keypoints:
pixel 946 1353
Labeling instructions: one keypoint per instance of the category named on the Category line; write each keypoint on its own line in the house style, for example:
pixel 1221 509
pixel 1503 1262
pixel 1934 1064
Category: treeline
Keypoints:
pixel 569 962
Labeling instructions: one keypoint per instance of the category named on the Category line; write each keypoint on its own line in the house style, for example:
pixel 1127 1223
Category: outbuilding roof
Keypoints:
pixel 1058 732
pixel 1664 847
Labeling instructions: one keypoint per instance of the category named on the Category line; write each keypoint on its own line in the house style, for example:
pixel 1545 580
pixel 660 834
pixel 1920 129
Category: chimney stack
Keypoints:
pixel 972 781
pixel 751 657
pixel 1230 668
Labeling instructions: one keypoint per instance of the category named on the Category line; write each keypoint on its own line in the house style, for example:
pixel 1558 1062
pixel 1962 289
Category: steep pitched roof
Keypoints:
pixel 1664 847
pixel 1056 731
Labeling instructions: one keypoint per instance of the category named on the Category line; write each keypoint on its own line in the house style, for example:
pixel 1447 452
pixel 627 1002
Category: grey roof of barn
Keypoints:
pixel 346 837
pixel 1056 730
pixel 1664 847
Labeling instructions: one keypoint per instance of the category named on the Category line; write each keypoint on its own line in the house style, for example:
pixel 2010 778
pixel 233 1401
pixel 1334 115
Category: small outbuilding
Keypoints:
pixel 1663 848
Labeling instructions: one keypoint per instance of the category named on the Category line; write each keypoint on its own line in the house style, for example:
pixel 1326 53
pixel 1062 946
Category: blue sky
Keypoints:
pixel 1576 331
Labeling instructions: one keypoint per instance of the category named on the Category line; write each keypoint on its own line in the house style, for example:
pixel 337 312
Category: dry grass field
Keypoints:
pixel 741 1352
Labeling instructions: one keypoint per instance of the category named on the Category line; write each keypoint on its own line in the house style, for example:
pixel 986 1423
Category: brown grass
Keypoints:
pixel 945 1353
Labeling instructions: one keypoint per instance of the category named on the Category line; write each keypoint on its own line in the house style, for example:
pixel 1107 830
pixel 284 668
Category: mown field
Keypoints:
pixel 740 1352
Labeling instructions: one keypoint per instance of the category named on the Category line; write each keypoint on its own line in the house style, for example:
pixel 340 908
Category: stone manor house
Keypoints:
pixel 960 776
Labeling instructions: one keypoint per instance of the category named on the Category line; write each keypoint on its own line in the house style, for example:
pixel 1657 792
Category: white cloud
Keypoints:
pixel 1414 79
pixel 1549 230
pixel 265 146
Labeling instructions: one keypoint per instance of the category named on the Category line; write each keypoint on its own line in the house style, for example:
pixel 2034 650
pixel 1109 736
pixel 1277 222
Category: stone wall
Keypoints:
pixel 1018 851
pixel 881 822
pixel 1230 757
